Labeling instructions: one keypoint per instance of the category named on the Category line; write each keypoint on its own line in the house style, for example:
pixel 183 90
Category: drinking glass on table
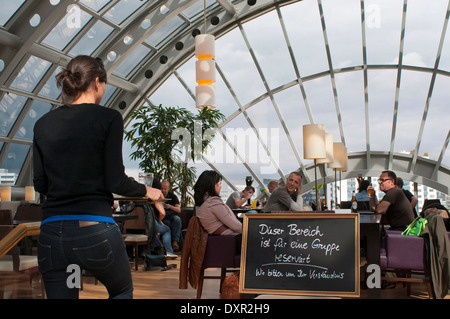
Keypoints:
pixel 146 178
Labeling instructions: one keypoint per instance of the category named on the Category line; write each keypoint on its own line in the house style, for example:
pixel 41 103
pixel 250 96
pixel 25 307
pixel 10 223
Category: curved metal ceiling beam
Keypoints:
pixel 397 87
pixel 427 172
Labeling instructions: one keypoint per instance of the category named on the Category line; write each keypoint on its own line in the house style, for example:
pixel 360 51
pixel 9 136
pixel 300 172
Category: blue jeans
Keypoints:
pixel 166 236
pixel 98 249
pixel 174 222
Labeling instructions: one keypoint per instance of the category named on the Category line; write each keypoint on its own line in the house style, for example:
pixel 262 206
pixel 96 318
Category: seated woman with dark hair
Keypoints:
pixel 362 194
pixel 216 217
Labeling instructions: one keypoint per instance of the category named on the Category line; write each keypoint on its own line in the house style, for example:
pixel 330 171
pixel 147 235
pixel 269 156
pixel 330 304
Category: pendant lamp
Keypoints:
pixel 205 69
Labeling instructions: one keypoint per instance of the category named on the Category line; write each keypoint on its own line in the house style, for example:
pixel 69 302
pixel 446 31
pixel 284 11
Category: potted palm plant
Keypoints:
pixel 167 139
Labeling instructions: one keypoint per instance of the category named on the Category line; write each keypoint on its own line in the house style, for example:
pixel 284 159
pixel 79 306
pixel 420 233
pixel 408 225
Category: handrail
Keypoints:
pixel 16 235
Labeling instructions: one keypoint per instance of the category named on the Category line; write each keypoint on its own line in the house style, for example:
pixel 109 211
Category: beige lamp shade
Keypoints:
pixel 328 149
pixel 205 96
pixel 29 193
pixel 205 46
pixel 338 156
pixel 345 159
pixel 5 193
pixel 205 72
pixel 314 141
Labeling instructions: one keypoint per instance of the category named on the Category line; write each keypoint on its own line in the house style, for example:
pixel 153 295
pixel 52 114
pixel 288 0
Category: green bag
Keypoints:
pixel 416 227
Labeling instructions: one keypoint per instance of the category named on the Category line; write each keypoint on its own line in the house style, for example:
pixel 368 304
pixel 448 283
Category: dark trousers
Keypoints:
pixel 98 249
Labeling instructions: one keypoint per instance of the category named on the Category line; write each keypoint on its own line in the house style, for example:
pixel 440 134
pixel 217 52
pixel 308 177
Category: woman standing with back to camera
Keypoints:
pixel 77 157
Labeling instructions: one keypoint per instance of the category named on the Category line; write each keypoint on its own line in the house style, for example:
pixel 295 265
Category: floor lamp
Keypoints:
pixel 338 163
pixel 344 166
pixel 314 147
pixel 327 160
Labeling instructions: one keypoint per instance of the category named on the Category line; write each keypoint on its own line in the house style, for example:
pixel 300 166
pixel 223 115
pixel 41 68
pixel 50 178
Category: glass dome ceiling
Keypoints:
pixel 375 72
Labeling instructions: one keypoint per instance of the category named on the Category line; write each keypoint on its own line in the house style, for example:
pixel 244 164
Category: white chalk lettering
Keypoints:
pixel 286 258
pixel 299 245
pixel 279 243
pixel 328 248
pixel 264 229
pixel 313 274
pixel 274 273
pixel 307 232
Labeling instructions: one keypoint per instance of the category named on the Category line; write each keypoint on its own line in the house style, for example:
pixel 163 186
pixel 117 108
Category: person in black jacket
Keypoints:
pixel 78 165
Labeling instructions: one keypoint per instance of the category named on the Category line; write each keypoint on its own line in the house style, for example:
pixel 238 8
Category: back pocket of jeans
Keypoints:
pixel 44 257
pixel 97 256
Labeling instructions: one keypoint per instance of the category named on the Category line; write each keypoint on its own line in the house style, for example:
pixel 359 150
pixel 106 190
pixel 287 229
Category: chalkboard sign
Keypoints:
pixel 300 254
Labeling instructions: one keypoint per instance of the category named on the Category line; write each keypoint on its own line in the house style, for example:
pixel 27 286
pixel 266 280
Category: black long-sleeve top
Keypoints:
pixel 77 159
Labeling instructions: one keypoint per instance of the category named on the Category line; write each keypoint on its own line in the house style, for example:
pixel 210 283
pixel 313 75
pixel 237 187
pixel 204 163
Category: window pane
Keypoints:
pixel 164 95
pixel 37 109
pixel 383 28
pixel 95 5
pixel 424 24
pixel 10 108
pixel 165 30
pixel 50 89
pixel 436 127
pixel 321 100
pixel 109 91
pixel 381 105
pixel 343 23
pixel 136 56
pixel 123 9
pixel 94 37
pixel 67 28
pixel 237 65
pixel 413 95
pixel 222 156
pixel 306 36
pixel 9 7
pixel 350 87
pixel 266 121
pixel 15 156
pixel 31 74
pixel 274 59
pixel 292 106
pixel 197 8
